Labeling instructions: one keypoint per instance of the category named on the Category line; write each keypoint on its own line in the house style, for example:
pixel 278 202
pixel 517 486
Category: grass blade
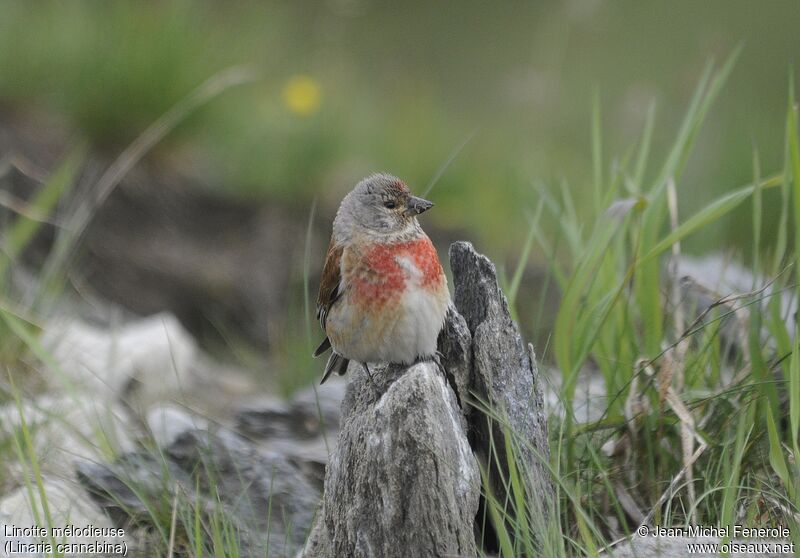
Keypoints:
pixel 25 228
pixel 708 215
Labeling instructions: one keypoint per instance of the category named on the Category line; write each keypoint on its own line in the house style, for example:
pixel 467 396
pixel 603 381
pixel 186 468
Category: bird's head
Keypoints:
pixel 381 205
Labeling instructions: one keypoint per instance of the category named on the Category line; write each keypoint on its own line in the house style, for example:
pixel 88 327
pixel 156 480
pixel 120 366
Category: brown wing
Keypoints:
pixel 329 287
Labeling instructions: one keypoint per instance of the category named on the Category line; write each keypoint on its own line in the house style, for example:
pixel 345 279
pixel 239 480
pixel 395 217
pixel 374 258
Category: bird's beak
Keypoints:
pixel 416 205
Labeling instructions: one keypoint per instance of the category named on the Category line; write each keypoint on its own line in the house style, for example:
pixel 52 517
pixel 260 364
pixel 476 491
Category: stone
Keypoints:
pixel 304 428
pixel 403 480
pixel 137 487
pixel 66 505
pixel 63 427
pixel 704 280
pixel 504 376
pixel 308 414
pixel 264 496
pixel 141 362
pixel 455 346
pixel 167 422
pixel 249 482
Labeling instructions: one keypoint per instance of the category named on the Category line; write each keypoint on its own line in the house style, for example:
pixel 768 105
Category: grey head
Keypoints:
pixel 381 205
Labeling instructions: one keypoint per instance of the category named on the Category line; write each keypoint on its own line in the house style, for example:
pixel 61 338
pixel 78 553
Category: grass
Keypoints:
pixel 700 427
pixel 25 362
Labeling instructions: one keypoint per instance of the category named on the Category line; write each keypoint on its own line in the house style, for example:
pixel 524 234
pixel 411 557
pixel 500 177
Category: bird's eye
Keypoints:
pixel 389 205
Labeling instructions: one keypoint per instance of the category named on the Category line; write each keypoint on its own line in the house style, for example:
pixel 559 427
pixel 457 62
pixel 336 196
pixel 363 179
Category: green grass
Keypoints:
pixel 693 432
pixel 25 362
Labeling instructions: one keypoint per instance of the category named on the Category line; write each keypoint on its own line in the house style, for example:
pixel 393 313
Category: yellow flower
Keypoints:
pixel 302 95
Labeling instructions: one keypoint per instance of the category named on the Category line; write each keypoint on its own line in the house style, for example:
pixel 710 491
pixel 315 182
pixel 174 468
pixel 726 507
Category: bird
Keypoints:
pixel 383 294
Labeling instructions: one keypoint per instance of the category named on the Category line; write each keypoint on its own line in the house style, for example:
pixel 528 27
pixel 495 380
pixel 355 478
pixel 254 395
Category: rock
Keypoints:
pixel 167 422
pixel 455 346
pixel 303 429
pixel 403 480
pixel 62 428
pixel 704 280
pixel 263 497
pixel 320 408
pixel 250 483
pixel 590 400
pixel 66 505
pixel 504 374
pixel 269 418
pixel 717 272
pixel 142 362
pixel 311 413
pixel 136 489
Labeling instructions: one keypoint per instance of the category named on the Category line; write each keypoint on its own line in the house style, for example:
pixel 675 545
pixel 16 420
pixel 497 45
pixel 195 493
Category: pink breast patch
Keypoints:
pixel 379 278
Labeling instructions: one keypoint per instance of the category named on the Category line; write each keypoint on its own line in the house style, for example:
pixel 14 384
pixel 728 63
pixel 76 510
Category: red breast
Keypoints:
pixel 379 278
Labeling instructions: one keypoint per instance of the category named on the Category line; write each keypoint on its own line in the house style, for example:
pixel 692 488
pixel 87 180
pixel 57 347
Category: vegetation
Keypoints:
pixel 702 401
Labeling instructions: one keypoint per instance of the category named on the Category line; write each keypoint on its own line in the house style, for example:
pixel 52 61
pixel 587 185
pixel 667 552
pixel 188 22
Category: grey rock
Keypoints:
pixel 67 504
pixel 63 426
pixel 141 362
pixel 264 497
pixel 267 418
pixel 250 482
pixel 304 428
pixel 320 408
pixel 167 422
pixel 135 489
pixel 455 346
pixel 310 413
pixel 704 280
pixel 590 400
pixel 504 376
pixel 403 480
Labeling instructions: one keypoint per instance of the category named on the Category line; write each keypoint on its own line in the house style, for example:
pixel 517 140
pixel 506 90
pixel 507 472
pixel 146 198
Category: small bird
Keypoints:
pixel 383 296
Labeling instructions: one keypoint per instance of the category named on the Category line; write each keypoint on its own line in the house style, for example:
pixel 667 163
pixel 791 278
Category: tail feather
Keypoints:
pixel 336 363
pixel 324 346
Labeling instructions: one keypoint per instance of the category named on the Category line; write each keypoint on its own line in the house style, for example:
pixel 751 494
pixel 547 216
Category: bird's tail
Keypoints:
pixel 324 346
pixel 336 363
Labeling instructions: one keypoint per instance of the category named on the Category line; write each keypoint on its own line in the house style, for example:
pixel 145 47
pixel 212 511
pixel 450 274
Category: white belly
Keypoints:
pixel 416 330
pixel 404 332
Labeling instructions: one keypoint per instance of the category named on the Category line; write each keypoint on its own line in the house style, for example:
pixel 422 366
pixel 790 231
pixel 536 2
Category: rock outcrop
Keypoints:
pixel 504 380
pixel 403 480
pixel 263 497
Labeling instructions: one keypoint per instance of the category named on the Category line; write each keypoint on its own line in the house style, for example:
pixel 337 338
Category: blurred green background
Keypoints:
pixel 498 96
pixel 399 86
